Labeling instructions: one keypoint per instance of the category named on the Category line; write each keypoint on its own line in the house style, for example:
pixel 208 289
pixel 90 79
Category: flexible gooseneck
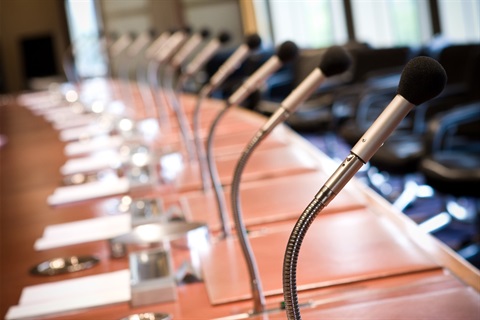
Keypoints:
pixel 214 176
pixel 286 52
pixel 172 95
pixel 255 281
pixel 422 79
pixel 335 61
pixel 231 64
pixel 202 160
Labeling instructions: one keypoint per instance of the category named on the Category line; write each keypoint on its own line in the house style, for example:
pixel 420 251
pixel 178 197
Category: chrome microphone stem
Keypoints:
pixel 202 162
pixel 174 101
pixel 299 231
pixel 255 281
pixel 214 176
pixel 145 93
pixel 152 75
pixel 344 173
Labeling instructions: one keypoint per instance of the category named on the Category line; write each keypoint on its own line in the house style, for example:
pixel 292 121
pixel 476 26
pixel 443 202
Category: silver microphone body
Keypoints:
pixel 255 80
pixel 369 143
pixel 170 47
pixel 140 42
pixel 230 65
pixel 187 49
pixel 156 45
pixel 295 99
pixel 121 44
pixel 202 57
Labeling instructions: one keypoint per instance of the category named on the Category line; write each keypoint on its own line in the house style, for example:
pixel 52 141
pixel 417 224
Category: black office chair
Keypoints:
pixel 374 77
pixel 452 168
pixel 404 149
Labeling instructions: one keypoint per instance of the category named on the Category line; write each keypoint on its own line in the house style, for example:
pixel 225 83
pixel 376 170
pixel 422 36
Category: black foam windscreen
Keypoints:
pixel 335 60
pixel 423 78
pixel 253 41
pixel 287 51
pixel 224 37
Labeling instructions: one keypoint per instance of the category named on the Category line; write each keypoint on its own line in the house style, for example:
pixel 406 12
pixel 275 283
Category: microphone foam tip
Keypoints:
pixel 205 33
pixel 335 60
pixel 422 79
pixel 287 51
pixel 253 41
pixel 224 37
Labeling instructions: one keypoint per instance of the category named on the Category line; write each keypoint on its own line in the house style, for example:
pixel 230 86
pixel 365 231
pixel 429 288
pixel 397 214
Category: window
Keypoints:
pixel 387 23
pixel 460 20
pixel 310 24
pixel 84 32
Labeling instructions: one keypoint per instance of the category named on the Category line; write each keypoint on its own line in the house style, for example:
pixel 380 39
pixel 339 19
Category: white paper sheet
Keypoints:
pixel 95 229
pixel 94 162
pixel 88 191
pixel 96 144
pixel 90 130
pixel 78 120
pixel 73 294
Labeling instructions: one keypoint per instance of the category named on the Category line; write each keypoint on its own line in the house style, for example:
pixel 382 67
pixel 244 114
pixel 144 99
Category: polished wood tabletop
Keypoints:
pixel 361 260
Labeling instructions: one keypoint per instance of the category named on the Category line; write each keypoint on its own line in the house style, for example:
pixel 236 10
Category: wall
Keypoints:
pixel 24 18
pixel 216 15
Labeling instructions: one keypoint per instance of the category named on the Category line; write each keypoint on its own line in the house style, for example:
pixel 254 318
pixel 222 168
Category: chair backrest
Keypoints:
pixel 457 60
pixel 373 62
pixel 461 123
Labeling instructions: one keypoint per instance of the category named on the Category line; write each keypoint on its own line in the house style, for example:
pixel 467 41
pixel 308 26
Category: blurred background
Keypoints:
pixel 381 36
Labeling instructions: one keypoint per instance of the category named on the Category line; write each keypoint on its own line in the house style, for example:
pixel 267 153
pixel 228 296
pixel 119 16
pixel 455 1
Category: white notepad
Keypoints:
pixel 91 190
pixel 95 229
pixel 90 130
pixel 78 120
pixel 73 294
pixel 95 162
pixel 96 144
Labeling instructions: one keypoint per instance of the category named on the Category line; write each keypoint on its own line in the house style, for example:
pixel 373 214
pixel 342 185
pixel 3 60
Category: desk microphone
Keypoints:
pixel 335 61
pixel 205 54
pixel 140 43
pixel 174 42
pixel 191 69
pixel 252 42
pixel 422 79
pixel 120 44
pixel 286 52
pixel 166 51
pixel 156 45
pixel 189 47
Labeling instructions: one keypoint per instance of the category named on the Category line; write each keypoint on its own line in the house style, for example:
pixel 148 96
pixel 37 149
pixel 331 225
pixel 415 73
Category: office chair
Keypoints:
pixel 402 152
pixel 452 168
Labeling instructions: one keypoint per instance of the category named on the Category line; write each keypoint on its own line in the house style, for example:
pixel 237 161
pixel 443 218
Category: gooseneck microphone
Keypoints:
pixel 285 53
pixel 191 69
pixel 422 79
pixel 335 61
pixel 156 45
pixel 252 42
pixel 189 47
pixel 203 57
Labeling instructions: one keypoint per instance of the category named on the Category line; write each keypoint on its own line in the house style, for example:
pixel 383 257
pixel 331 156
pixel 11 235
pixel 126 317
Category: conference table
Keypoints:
pixel 361 258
